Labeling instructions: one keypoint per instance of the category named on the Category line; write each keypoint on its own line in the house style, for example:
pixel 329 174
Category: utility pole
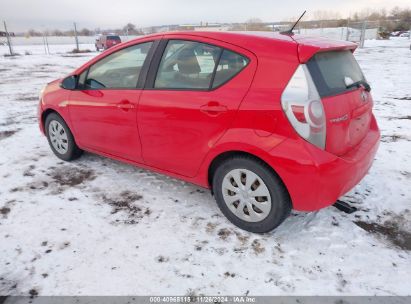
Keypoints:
pixel 8 39
pixel 362 38
pixel 47 45
pixel 75 35
pixel 44 44
pixel 347 34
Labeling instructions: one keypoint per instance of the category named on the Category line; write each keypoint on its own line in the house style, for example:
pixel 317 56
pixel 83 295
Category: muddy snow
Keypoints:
pixel 100 227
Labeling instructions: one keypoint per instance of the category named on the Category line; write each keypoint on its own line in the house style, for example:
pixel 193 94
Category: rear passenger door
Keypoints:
pixel 193 91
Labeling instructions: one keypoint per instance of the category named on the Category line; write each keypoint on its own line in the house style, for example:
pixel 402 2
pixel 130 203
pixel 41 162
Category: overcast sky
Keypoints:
pixel 49 14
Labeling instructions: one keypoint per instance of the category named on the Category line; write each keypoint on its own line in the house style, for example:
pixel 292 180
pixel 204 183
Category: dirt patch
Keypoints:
pixel 408 117
pixel 199 246
pixel 162 259
pixel 210 227
pixel 6 134
pixel 8 122
pixel 224 233
pixel 44 65
pixel 342 282
pixel 403 98
pixel 69 176
pixel 229 274
pixel 257 247
pixel 27 98
pixel 406 173
pixel 64 245
pixel 393 138
pixel 36 185
pixel 74 56
pixel 7 287
pixel 33 293
pixel 390 230
pixel 4 211
pixel 125 202
pixel 28 171
pixel 242 238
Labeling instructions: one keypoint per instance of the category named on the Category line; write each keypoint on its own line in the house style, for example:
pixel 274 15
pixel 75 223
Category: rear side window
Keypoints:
pixel 187 65
pixel 230 64
pixel 194 65
pixel 330 70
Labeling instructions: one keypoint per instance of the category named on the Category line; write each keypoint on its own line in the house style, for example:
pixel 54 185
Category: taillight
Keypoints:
pixel 303 107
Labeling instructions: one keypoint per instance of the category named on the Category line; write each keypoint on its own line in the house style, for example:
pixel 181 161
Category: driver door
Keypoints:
pixel 103 108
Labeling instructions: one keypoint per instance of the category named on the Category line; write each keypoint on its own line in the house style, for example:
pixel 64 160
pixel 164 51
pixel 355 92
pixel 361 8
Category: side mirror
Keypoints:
pixel 69 83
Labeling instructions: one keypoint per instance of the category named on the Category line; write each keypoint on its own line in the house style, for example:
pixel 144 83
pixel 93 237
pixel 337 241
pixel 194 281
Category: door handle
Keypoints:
pixel 213 108
pixel 125 105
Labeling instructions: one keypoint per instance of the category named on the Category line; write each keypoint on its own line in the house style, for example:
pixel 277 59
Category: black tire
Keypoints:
pixel 73 151
pixel 281 204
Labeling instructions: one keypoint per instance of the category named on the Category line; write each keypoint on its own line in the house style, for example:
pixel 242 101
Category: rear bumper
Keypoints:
pixel 321 177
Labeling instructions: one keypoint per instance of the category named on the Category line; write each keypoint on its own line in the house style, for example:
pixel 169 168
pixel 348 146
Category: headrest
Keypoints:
pixel 187 62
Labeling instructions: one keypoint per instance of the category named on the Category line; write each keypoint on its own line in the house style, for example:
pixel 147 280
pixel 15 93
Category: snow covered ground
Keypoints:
pixel 99 227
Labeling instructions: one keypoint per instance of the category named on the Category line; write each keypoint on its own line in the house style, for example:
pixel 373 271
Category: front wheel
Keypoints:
pixel 60 138
pixel 250 194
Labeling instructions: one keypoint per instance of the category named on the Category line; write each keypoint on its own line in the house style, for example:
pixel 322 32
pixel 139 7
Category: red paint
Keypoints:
pixel 180 133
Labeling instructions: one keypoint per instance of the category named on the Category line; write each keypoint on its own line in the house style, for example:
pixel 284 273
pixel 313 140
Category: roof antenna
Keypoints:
pixel 290 31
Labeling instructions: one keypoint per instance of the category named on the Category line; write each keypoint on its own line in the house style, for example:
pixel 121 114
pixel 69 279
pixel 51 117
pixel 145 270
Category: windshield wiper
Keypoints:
pixel 360 83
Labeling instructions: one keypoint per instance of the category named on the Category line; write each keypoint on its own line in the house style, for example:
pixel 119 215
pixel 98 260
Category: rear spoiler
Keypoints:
pixel 309 46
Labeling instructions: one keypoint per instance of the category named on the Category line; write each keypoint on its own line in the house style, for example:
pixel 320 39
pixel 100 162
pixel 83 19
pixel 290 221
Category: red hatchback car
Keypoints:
pixel 104 42
pixel 269 122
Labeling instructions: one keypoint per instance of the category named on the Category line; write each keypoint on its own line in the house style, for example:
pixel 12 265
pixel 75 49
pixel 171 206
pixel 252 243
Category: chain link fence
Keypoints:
pixel 356 32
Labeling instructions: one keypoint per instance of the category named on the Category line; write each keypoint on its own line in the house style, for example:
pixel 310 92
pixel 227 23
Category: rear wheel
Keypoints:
pixel 250 194
pixel 60 138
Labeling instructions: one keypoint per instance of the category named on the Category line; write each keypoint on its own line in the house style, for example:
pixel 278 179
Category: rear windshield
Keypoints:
pixel 330 70
pixel 117 38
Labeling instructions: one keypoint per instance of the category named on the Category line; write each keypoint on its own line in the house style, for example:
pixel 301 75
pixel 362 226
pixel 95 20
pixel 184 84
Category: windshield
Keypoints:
pixel 330 71
pixel 116 38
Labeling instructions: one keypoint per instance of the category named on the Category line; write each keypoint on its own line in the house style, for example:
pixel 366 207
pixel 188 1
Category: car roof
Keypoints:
pixel 307 45
pixel 234 37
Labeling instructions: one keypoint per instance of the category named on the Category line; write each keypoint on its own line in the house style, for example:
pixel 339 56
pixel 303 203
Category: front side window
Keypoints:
pixel 119 70
pixel 187 65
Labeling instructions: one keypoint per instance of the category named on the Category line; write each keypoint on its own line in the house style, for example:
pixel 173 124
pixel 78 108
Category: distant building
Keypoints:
pixel 214 27
pixel 4 34
pixel 218 28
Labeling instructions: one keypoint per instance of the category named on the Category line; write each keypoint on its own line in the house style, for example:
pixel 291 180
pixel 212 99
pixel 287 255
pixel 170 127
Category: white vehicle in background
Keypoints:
pixel 400 34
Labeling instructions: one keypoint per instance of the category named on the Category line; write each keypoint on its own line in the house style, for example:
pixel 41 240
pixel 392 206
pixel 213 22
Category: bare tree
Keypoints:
pixel 255 24
pixel 33 33
pixel 85 32
pixel 325 15
pixel 57 33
